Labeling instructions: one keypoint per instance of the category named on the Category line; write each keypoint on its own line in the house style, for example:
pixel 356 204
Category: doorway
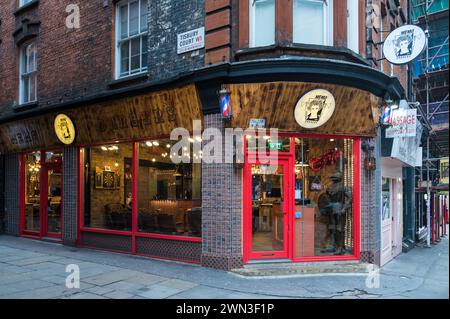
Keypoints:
pixel 268 201
pixel 391 219
pixel 42 195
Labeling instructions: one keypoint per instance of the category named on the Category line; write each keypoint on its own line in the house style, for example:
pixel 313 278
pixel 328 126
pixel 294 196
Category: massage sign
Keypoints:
pixel 314 108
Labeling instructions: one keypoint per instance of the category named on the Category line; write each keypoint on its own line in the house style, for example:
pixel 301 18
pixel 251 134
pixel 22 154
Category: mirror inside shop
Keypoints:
pixel 323 213
pixel 168 194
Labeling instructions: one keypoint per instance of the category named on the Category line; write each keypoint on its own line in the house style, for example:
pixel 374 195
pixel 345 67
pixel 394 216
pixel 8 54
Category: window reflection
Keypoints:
pixel 32 191
pixel 323 197
pixel 169 195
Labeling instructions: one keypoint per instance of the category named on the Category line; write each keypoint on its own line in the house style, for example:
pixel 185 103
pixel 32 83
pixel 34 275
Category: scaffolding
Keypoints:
pixel 430 88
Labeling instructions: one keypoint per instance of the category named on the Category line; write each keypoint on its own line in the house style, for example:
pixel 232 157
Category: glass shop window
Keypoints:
pixel 108 185
pixel 323 197
pixel 169 195
pixel 32 191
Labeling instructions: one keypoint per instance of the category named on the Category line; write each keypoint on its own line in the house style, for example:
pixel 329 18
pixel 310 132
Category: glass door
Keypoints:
pixel 269 210
pixel 51 200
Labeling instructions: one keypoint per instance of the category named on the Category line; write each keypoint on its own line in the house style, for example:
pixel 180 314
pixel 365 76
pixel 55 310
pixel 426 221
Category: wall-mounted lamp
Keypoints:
pixel 225 103
pixel 370 161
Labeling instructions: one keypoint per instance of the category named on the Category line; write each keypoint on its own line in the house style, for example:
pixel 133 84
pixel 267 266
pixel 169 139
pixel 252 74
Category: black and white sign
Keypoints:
pixel 191 40
pixel 314 108
pixel 404 44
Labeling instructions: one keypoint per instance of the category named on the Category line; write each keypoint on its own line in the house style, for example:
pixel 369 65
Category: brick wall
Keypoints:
pixel 70 196
pixel 72 63
pixel 385 18
pixel 370 210
pixel 167 18
pixel 221 210
pixel 12 198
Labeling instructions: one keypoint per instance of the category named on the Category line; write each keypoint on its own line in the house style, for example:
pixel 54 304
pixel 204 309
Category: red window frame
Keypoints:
pixel 134 233
pixel 356 200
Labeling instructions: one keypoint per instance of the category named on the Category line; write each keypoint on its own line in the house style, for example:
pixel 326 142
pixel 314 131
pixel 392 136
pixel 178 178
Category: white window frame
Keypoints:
pixel 352 24
pixel 252 31
pixel 328 22
pixel 24 75
pixel 143 66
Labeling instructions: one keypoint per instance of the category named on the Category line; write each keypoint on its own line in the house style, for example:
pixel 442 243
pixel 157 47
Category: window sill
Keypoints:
pixel 25 106
pixel 299 49
pixel 26 7
pixel 128 80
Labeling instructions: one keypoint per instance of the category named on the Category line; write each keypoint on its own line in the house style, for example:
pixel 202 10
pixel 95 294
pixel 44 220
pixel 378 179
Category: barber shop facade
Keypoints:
pixel 101 173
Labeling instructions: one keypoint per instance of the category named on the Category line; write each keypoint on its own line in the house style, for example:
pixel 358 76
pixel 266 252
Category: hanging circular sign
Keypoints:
pixel 314 108
pixel 404 44
pixel 64 129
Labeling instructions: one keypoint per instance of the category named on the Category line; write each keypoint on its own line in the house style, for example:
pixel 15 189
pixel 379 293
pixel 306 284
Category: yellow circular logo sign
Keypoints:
pixel 64 129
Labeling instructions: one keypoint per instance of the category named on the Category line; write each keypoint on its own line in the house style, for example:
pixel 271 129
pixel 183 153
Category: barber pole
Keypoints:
pixel 225 103
pixel 386 116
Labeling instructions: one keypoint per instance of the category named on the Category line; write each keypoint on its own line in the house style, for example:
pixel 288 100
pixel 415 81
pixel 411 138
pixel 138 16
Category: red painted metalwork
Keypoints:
pixel 289 173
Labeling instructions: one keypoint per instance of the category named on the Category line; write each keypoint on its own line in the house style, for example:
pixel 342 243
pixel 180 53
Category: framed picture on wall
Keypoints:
pixel 109 180
pixel 315 184
pixel 98 180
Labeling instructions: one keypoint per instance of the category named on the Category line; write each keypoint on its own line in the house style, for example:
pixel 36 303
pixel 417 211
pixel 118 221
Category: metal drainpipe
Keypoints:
pixel 428 136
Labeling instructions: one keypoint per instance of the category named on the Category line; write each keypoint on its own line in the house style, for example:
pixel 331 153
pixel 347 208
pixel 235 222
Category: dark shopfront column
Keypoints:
pixel 370 208
pixel 12 197
pixel 2 194
pixel 221 210
pixel 70 195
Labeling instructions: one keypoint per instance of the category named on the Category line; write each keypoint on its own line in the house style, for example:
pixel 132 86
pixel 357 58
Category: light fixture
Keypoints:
pixel 190 139
pixel 155 143
pixel 153 159
pixel 331 139
pixel 116 164
pixel 148 143
pixel 198 138
pixel 104 148
pixel 167 145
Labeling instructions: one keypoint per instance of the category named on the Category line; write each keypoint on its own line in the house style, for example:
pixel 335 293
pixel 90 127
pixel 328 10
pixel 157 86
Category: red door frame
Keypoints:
pixel 286 161
pixel 290 156
pixel 43 185
pixel 45 167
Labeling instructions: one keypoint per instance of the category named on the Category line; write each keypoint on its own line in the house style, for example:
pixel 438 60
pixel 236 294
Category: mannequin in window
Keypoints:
pixel 336 203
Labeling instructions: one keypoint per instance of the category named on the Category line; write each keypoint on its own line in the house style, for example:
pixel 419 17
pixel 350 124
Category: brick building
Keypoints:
pixel 86 112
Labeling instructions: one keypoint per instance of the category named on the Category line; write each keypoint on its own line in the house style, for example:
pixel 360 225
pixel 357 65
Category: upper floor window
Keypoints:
pixel 262 22
pixel 131 37
pixel 24 2
pixel 312 22
pixel 28 73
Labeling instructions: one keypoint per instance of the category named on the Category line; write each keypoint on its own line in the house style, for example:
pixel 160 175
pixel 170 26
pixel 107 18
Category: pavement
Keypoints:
pixel 37 269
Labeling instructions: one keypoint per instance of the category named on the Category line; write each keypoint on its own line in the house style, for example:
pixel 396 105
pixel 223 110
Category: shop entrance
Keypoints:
pixel 51 200
pixel 303 206
pixel 270 198
pixel 42 194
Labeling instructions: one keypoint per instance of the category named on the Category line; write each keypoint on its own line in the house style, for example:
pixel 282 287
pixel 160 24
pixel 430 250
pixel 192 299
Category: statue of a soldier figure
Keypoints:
pixel 334 204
